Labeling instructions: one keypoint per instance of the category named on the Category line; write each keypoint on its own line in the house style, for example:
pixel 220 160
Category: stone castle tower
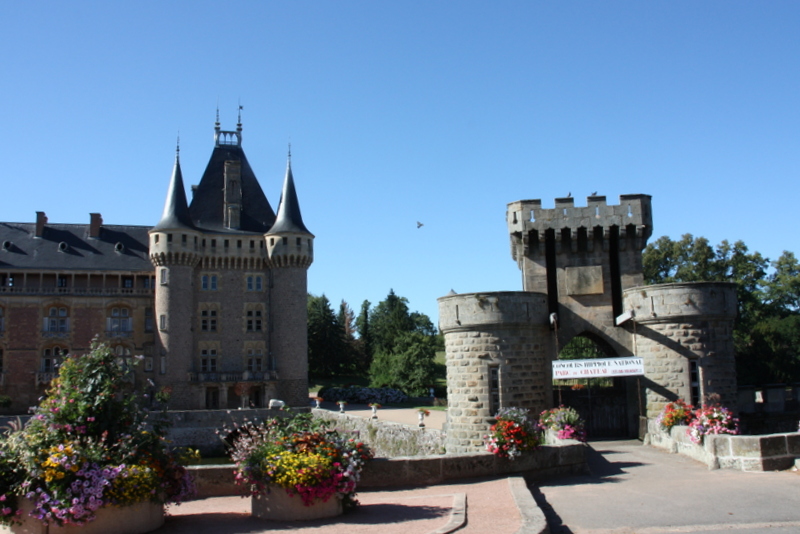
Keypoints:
pixel 582 276
pixel 230 287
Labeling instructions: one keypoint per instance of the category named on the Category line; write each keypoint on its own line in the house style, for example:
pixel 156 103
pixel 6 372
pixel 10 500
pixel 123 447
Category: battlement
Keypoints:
pixel 529 223
pixel 527 215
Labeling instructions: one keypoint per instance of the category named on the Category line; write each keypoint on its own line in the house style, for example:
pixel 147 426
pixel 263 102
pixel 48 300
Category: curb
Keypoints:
pixel 533 520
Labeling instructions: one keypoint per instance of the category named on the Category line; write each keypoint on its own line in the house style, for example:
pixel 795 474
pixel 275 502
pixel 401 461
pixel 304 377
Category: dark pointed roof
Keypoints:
pixel 207 207
pixel 176 210
pixel 289 218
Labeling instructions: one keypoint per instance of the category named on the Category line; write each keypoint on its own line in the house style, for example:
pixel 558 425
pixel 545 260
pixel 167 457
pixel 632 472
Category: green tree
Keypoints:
pixel 365 334
pixel 765 333
pixel 327 354
pixel 409 366
pixel 388 320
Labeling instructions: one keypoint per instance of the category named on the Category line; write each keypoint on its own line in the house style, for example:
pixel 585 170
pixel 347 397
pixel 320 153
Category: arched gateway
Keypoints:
pixel 582 275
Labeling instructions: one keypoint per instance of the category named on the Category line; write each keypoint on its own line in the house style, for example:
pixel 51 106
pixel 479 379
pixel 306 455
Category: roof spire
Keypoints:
pixel 289 218
pixel 239 123
pixel 176 209
pixel 178 147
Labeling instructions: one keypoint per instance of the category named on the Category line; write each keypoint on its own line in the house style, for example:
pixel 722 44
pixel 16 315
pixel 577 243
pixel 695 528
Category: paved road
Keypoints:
pixel 635 489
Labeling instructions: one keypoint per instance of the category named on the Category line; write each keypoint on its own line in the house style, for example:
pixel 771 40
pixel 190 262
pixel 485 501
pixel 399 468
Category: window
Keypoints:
pixel 147 283
pixel 122 350
pixel 254 360
pixel 494 388
pixel 208 321
pixel 148 319
pixel 2 320
pixel 255 283
pixel 252 245
pixel 127 282
pixel 163 277
pixel 148 364
pixel 119 320
pixel 61 281
pixel 57 320
pixel 51 358
pixel 254 320
pixel 162 322
pixel 208 282
pixel 208 361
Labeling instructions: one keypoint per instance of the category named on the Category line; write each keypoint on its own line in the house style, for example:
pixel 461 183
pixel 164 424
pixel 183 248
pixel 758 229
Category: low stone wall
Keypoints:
pixel 385 438
pixel 566 458
pixel 772 452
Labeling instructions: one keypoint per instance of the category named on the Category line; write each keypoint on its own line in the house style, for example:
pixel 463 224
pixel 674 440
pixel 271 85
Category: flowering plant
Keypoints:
pixel 565 422
pixel 513 433
pixel 424 412
pixel 90 443
pixel 675 413
pixel 713 419
pixel 299 455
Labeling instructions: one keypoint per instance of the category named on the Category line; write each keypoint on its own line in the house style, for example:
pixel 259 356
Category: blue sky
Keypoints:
pixel 398 112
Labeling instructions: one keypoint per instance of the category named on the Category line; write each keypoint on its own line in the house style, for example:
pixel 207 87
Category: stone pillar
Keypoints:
pixel 499 348
pixel 684 333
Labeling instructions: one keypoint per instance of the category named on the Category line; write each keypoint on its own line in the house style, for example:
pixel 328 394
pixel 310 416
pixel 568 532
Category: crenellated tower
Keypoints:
pixel 290 248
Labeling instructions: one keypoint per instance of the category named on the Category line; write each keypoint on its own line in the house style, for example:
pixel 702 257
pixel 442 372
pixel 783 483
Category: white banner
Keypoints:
pixel 603 367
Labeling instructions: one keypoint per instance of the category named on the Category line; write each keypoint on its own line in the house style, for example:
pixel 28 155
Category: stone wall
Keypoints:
pixel 566 458
pixel 774 452
pixel 498 355
pixel 385 438
pixel 684 333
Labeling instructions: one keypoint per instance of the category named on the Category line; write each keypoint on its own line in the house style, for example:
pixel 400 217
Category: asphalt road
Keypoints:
pixel 636 489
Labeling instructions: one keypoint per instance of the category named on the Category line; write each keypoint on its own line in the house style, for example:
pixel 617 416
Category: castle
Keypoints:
pixel 213 297
pixel 582 276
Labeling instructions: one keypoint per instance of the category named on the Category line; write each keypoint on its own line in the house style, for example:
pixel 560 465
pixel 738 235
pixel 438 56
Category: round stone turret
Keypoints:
pixel 684 333
pixel 498 346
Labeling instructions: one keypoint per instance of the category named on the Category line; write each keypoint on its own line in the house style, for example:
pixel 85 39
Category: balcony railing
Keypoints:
pixel 98 291
pixel 119 333
pixel 246 376
pixel 45 378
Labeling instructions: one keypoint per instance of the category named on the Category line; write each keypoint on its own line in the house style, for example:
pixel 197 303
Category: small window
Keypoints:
pixel 208 361
pixel 238 243
pixel 148 319
pixel 61 281
pixel 252 244
pixel 227 243
pixel 183 239
pixel 254 321
pixel 208 282
pixel 162 322
pixel 163 277
pixel 213 243
pixel 285 241
pixel 156 239
pixel 208 320
pixel 148 364
pixel 127 282
pixel 259 283
pixel 169 238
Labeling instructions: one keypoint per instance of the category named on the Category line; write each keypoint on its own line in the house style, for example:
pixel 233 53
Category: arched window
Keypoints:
pixel 51 358
pixel 57 320
pixel 119 320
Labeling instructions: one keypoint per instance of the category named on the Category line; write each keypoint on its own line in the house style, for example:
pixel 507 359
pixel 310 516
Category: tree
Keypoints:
pixel 409 366
pixel 326 345
pixel 364 334
pixel 766 339
pixel 388 320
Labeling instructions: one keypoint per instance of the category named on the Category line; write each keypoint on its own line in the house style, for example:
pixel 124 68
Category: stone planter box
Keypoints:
pixel 770 452
pixel 134 519
pixel 278 505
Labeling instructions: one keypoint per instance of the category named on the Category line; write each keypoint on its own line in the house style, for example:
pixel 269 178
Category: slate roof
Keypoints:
pixel 19 249
pixel 176 210
pixel 289 218
pixel 207 206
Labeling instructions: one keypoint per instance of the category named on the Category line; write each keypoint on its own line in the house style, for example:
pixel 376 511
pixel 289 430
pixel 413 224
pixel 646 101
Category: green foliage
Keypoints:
pixel 327 354
pixel 766 338
pixel 580 348
pixel 91 442
pixel 408 366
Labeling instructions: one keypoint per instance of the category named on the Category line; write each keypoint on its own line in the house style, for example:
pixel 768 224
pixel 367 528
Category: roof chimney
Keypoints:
pixel 94 225
pixel 41 220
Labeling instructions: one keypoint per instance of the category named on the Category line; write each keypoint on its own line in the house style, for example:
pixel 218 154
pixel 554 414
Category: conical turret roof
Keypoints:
pixel 289 219
pixel 176 209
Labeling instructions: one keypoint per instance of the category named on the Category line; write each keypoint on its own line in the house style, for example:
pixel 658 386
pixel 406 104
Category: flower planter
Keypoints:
pixel 278 505
pixel 134 519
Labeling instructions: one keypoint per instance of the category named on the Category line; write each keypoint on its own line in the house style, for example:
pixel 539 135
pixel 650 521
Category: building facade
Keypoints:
pixel 213 297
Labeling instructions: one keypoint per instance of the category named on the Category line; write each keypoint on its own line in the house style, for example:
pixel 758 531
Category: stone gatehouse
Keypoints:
pixel 582 276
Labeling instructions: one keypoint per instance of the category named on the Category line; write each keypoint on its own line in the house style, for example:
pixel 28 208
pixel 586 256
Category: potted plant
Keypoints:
pixel 675 413
pixel 422 413
pixel 318 401
pixel 713 419
pixel 375 407
pixel 513 433
pixel 341 404
pixel 91 449
pixel 294 468
pixel 564 422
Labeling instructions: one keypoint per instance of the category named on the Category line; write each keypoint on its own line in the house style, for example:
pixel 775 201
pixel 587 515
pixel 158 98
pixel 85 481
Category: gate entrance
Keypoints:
pixel 602 402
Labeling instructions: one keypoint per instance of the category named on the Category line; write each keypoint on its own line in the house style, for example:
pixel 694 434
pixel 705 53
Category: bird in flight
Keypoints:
pixel 419 224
